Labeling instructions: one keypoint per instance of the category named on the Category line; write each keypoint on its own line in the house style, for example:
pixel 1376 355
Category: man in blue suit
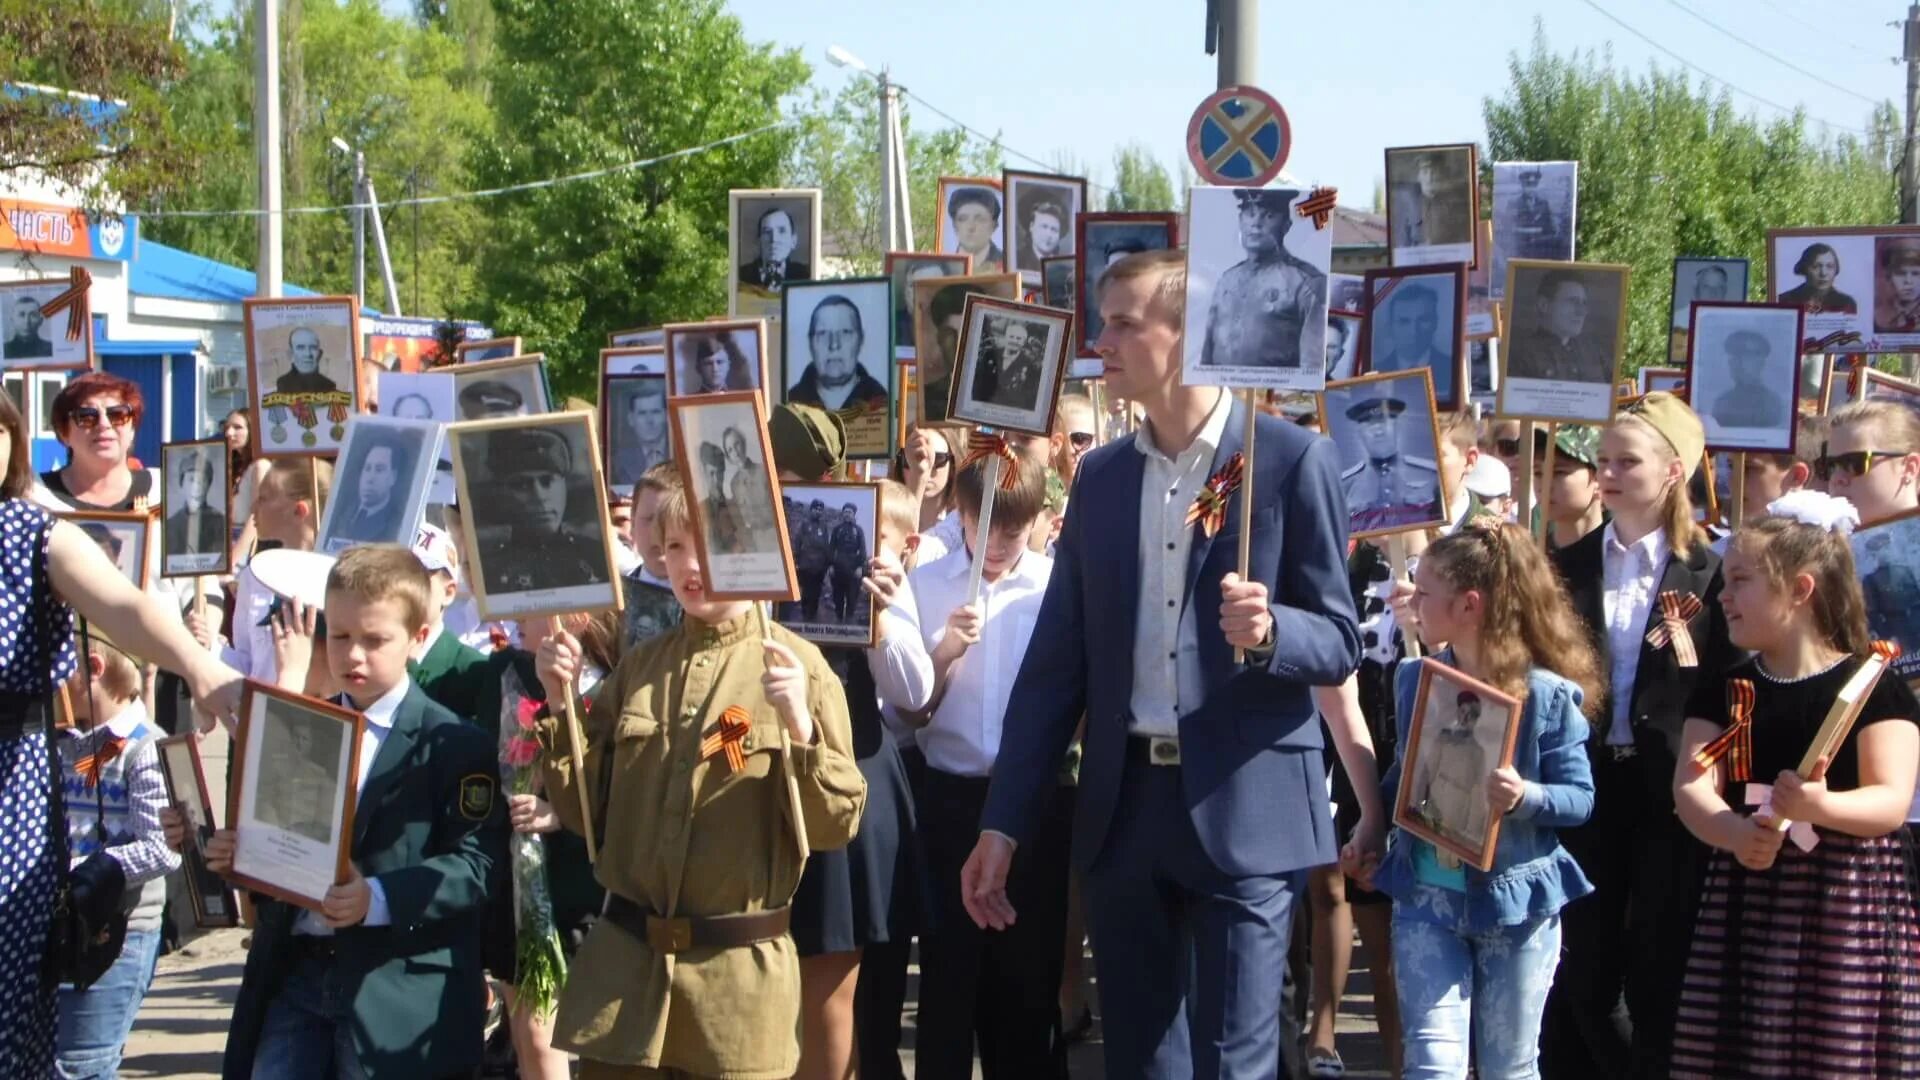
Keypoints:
pixel 1202 798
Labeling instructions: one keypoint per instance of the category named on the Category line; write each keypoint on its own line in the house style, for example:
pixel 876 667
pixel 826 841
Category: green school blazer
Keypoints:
pixel 450 675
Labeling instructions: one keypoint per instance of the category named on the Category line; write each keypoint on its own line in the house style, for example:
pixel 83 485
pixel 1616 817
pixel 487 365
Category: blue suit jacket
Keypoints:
pixel 1251 755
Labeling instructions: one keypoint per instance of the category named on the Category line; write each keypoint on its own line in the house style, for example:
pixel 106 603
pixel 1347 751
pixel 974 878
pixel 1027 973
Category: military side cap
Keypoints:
pixel 1374 408
pixel 1579 442
pixel 1747 343
pixel 808 442
pixel 488 395
pixel 524 450
pixel 1676 423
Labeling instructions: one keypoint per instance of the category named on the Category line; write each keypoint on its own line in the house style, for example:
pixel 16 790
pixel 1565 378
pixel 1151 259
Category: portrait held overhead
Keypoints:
pixel 1057 282
pixel 501 388
pixel 1859 286
pixel 903 269
pixel 717 357
pixel 1416 318
pixel 386 469
pixel 479 352
pixel 303 364
pixel 1041 212
pixel 1433 201
pixel 638 336
pixel 1713 281
pixel 633 421
pixel 635 359
pixel 1013 358
pixel 1743 375
pixel 833 531
pixel 1384 427
pixel 773 238
pixel 740 524
pixel 1256 298
pixel 970 222
pixel 839 357
pixel 1105 239
pixel 1568 331
pixel 1534 204
pixel 33 340
pixel 939 306
pixel 196 537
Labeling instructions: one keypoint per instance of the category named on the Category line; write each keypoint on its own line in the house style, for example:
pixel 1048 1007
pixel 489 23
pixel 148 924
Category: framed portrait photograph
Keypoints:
pixel 904 268
pixel 197 506
pixel 651 609
pixel 639 335
pixel 502 388
pixel 1710 280
pixel 1347 294
pixel 1057 282
pixel 1013 357
pixel 834 531
pixel 1433 201
pixel 1886 554
pixel 1256 290
pixel 1041 211
pixel 427 395
pixel 479 352
pixel 938 306
pixel 633 427
pixel 1483 308
pixel 214 905
pixel 1743 374
pixel 718 357
pixel 538 539
pixel 1416 318
pixel 634 360
pixel 380 483
pixel 1859 286
pixel 839 353
pixel 1567 333
pixel 303 363
pixel 1462 730
pixel 1533 213
pixel 739 520
pixel 1388 436
pixel 291 797
pixel 1105 239
pixel 1343 344
pixel 1672 380
pixel 971 221
pixel 1483 372
pixel 123 537
pixel 31 339
pixel 773 237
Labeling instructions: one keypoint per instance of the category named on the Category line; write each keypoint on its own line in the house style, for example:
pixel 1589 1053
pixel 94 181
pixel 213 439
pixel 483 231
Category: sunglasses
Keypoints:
pixel 88 418
pixel 1855 464
pixel 941 459
pixel 1081 440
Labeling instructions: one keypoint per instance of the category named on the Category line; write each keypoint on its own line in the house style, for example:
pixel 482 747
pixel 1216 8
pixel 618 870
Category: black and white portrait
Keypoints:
pixel 633 420
pixel 1833 276
pixel 655 336
pixel 1343 345
pixel 971 222
pixel 1566 333
pixel 1041 210
pixel 832 530
pixel 903 269
pixel 33 340
pixel 212 897
pixel 380 485
pixel 651 609
pixel 1256 311
pixel 839 349
pixel 1416 318
pixel 774 238
pixel 1057 282
pixel 1347 293
pixel 538 538
pixel 1105 239
pixel 1672 380
pixel 501 388
pixel 735 497
pixel 196 536
pixel 1887 556
pixel 479 352
pixel 1012 359
pixel 634 360
pixel 1884 387
pixel 1433 201
pixel 1712 281
pixel 939 306
pixel 717 357
pixel 302 360
pixel 1384 428
pixel 426 395
pixel 302 755
pixel 1533 212
pixel 1483 372
pixel 1744 375
pixel 295 771
pixel 1461 732
pixel 122 538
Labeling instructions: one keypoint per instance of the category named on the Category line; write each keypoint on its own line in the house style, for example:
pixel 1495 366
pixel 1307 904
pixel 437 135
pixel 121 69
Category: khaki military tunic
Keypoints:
pixel 684 837
pixel 1260 311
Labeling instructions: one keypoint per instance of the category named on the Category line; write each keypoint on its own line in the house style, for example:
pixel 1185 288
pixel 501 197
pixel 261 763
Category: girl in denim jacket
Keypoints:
pixel 1464 941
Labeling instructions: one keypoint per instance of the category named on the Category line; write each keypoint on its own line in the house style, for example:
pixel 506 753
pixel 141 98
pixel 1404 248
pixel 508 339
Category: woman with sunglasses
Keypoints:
pixel 926 467
pixel 1073 435
pixel 95 417
pixel 1872 458
pixel 49 569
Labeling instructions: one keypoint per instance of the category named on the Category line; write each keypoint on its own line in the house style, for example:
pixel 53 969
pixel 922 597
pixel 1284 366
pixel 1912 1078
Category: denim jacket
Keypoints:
pixel 1532 876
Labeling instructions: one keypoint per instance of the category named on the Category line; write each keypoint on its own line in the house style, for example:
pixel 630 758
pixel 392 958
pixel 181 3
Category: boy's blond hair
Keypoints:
pixel 1459 429
pixel 301 479
pixel 658 479
pixel 375 573
pixel 673 511
pixel 1895 428
pixel 899 508
pixel 119 675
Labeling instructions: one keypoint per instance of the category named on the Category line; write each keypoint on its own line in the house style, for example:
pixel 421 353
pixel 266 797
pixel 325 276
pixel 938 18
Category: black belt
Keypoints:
pixel 20 713
pixel 710 932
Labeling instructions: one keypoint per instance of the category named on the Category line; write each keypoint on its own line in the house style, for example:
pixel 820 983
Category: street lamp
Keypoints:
pixel 840 57
pixel 896 214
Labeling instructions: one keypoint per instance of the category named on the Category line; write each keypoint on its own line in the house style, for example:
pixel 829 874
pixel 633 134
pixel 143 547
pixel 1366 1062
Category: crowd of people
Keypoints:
pixel 1116 746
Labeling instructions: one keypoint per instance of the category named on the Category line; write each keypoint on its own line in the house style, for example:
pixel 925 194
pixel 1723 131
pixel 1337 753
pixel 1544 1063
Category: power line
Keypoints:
pixel 1825 32
pixel 1776 58
pixel 983 137
pixel 1704 73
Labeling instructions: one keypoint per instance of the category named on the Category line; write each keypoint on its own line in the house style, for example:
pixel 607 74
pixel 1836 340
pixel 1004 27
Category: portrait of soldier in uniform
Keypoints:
pixel 489 399
pixel 1562 334
pixel 299 782
pixel 1533 220
pixel 1264 310
pixel 1387 483
pixel 830 529
pixel 1431 196
pixel 535 528
pixel 1743 375
pixel 1896 305
pixel 24 322
pixel 1009 372
pixel 1749 402
pixel 1449 783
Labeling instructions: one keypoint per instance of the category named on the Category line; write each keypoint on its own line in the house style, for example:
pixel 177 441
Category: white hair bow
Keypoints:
pixel 1828 513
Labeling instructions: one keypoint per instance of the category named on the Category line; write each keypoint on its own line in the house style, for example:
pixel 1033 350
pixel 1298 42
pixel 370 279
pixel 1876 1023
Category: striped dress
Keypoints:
pixel 1810 968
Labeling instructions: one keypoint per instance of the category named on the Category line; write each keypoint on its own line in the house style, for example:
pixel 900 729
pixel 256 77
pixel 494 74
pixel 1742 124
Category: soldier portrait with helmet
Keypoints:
pixel 1744 374
pixel 1258 272
pixel 1384 427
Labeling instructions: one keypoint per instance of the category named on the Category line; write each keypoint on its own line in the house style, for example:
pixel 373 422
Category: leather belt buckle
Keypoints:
pixel 1163 750
pixel 669 935
pixel 1623 753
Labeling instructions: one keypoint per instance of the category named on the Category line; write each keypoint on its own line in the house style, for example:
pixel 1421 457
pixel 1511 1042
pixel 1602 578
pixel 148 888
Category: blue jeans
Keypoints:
pixel 1442 975
pixel 305 1035
pixel 95 1022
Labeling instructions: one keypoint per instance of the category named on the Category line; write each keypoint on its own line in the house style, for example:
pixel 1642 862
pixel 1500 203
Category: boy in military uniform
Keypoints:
pixel 718 755
pixel 1261 307
pixel 1389 488
pixel 383 980
pixel 532 468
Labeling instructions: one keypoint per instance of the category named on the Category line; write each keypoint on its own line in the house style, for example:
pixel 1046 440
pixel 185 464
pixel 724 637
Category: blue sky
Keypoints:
pixel 1086 76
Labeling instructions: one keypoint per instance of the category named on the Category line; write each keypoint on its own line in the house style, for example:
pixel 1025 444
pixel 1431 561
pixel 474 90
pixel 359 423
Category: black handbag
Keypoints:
pixel 89 924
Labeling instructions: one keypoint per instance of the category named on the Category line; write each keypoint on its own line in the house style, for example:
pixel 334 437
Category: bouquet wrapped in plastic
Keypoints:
pixel 541 968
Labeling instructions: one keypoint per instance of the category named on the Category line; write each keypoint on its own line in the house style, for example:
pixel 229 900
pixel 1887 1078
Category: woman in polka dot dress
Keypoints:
pixel 48 569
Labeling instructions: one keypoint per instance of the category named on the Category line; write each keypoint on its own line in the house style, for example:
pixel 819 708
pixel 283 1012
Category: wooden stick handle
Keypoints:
pixel 1546 488
pixel 1523 484
pixel 576 751
pixel 1739 490
pixel 990 484
pixel 1246 503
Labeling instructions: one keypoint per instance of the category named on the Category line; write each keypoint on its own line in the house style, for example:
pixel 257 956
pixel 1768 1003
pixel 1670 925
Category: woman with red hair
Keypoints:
pixel 95 417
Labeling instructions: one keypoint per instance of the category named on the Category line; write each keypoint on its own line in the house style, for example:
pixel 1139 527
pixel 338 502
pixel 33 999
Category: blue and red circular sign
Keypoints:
pixel 1239 136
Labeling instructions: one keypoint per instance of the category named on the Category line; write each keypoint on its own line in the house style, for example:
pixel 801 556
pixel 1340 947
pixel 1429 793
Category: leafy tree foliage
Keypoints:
pixel 1140 181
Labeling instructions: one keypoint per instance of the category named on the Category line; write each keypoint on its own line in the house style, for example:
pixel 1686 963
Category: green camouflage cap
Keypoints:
pixel 1056 491
pixel 1579 442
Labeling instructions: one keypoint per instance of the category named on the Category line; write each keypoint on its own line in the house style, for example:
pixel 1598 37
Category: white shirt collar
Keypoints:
pixel 380 713
pixel 1652 548
pixel 1208 439
pixel 128 720
pixel 959 561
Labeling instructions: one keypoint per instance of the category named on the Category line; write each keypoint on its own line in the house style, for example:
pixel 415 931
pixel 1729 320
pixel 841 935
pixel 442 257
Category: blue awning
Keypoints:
pixel 160 270
pixel 105 346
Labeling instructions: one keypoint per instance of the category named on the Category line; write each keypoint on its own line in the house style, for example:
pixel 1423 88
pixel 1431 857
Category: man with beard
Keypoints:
pixel 23 331
pixel 1261 305
pixel 1413 317
pixel 812 557
pixel 643 442
pixel 775 266
pixel 303 346
pixel 1556 348
pixel 535 549
pixel 1389 488
pixel 375 517
pixel 850 555
pixel 836 380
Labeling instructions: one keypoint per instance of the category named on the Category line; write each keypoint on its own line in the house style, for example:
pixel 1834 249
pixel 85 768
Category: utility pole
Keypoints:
pixel 360 227
pixel 1239 42
pixel 1910 160
pixel 380 246
pixel 268 268
pixel 889 205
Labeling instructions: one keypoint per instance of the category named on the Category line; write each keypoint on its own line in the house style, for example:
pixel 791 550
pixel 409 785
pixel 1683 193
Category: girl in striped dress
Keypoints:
pixel 1806 954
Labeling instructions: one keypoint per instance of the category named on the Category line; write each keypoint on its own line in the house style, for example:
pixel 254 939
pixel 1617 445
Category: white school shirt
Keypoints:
pixel 902 670
pixel 963 738
pixel 373 735
pixel 942 540
pixel 1631 585
pixel 1165 640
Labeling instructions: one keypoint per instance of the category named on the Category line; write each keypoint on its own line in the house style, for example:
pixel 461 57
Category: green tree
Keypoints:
pixel 1668 168
pixel 1140 182
pixel 593 86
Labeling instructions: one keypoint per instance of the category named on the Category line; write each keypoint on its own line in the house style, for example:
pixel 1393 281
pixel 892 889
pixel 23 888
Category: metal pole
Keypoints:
pixel 268 267
pixel 900 170
pixel 889 206
pixel 1910 159
pixel 1239 46
pixel 380 246
pixel 360 227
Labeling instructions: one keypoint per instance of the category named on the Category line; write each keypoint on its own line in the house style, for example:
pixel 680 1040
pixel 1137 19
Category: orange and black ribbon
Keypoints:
pixel 725 736
pixel 1676 610
pixel 981 447
pixel 90 766
pixel 1210 506
pixel 73 297
pixel 1736 743
pixel 1887 651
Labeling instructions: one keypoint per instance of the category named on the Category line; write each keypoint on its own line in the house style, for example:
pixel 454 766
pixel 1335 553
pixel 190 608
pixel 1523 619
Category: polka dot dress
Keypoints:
pixel 36 654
